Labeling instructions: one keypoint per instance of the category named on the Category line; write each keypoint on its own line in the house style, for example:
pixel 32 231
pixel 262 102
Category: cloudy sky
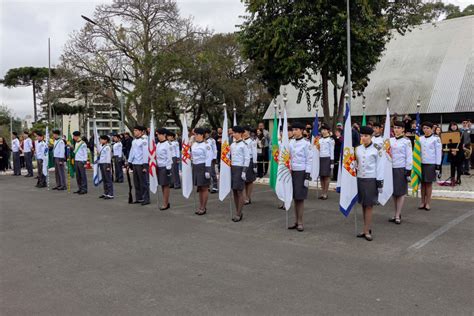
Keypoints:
pixel 25 26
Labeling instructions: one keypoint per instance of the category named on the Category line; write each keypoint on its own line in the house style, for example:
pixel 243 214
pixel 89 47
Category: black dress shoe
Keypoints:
pixel 138 202
pixel 55 188
pixel 102 196
pixel 82 192
pixel 145 202
pixel 165 208
pixel 62 189
pixel 78 191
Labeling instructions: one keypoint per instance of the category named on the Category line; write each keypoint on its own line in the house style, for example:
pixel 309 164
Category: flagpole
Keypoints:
pixel 151 138
pixel 231 194
pixel 317 178
pixel 285 100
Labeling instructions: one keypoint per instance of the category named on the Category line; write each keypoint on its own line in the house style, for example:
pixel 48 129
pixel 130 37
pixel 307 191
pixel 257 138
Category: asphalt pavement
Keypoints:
pixel 64 254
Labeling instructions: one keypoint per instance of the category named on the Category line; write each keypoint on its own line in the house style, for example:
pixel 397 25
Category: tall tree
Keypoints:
pixel 303 42
pixel 24 77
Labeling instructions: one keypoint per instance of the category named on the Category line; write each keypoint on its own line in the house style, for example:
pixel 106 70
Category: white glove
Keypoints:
pixel 244 176
pixel 380 190
pixel 408 179
pixel 255 170
pixel 207 175
pixel 438 174
pixel 306 183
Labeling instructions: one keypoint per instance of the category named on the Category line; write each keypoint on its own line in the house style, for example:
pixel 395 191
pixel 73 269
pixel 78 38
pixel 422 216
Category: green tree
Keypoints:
pixel 27 76
pixel 303 42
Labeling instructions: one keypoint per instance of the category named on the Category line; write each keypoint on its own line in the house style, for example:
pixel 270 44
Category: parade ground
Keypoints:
pixel 64 254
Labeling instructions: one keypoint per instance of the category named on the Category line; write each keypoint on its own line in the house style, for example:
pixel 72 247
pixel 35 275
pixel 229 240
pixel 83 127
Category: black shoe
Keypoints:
pixel 145 202
pixel 62 189
pixel 78 191
pixel 102 196
pixel 42 186
pixel 108 197
pixel 237 219
pixel 55 188
pixel 214 191
pixel 165 208
pixel 137 202
pixel 177 188
pixel 82 192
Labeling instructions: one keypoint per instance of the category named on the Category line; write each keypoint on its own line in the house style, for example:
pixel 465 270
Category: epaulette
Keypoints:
pixel 378 147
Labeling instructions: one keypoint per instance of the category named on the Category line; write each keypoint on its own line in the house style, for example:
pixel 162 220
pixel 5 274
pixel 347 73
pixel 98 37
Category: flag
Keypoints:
pixel 315 145
pixel 275 151
pixel 95 167
pixel 348 188
pixel 46 152
pixel 284 184
pixel 225 176
pixel 187 169
pixel 364 120
pixel 387 163
pixel 416 171
pixel 69 152
pixel 152 158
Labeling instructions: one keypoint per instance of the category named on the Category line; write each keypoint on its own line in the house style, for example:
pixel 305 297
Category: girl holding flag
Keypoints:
pixel 369 177
pixel 301 163
pixel 402 164
pixel 201 154
pixel 164 159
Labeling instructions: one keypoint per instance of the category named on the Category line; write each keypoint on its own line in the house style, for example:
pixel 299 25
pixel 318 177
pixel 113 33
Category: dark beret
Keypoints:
pixel 377 124
pixel 298 125
pixel 429 124
pixel 366 130
pixel 15 133
pixel 57 132
pixel 140 128
pixel 171 133
pixel 162 131
pixel 325 126
pixel 238 129
pixel 199 131
pixel 104 137
pixel 399 124
pixel 76 133
pixel 38 133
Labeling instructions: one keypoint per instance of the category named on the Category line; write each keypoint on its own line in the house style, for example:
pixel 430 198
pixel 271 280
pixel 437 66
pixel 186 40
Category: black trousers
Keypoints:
pixel 41 177
pixel 29 163
pixel 266 155
pixel 118 165
pixel 106 171
pixel 456 167
pixel 175 173
pixel 60 173
pixel 81 177
pixel 16 163
pixel 141 181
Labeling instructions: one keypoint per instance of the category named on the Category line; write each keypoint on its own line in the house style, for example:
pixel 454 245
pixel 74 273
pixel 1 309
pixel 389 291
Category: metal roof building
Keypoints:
pixel 434 62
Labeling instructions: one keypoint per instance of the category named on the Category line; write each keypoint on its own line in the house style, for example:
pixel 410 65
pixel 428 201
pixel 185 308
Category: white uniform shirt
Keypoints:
pixel 369 162
pixel 27 145
pixel 240 154
pixel 431 150
pixel 117 149
pixel 15 145
pixel 164 154
pixel 105 153
pixel 252 145
pixel 301 155
pixel 212 142
pixel 80 151
pixel 139 151
pixel 326 147
pixel 175 147
pixel 401 153
pixel 59 149
pixel 378 140
pixel 201 153
pixel 40 150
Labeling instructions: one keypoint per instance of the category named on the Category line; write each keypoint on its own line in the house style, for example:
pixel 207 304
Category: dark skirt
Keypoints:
pixel 251 176
pixel 324 167
pixel 367 192
pixel 199 177
pixel 400 184
pixel 236 178
pixel 163 178
pixel 300 192
pixel 428 172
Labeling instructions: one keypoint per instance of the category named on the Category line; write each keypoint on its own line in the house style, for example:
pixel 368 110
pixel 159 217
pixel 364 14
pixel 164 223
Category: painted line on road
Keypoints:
pixel 440 231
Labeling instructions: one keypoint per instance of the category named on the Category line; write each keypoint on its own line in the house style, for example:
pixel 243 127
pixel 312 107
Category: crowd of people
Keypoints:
pixel 250 156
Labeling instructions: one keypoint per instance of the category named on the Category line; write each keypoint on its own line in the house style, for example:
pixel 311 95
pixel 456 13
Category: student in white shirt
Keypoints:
pixel 16 154
pixel 28 153
pixel 326 160
pixel 240 160
pixel 164 163
pixel 40 152
pixel 175 181
pixel 80 161
pixel 105 165
pixel 201 155
pixel 251 175
pixel 138 159
pixel 117 150
pixel 59 154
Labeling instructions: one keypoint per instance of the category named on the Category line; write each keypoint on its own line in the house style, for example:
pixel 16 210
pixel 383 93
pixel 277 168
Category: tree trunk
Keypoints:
pixel 325 103
pixel 35 111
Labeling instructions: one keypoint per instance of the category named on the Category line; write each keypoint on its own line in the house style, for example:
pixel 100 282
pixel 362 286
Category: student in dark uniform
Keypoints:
pixel 402 164
pixel 301 163
pixel 369 177
pixel 431 156
pixel 164 159
pixel 240 158
pixel 251 175
pixel 456 155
